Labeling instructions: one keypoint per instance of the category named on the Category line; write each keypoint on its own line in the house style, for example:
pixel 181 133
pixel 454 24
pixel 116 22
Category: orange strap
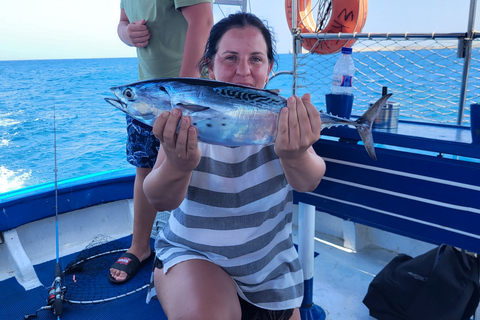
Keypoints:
pixel 348 16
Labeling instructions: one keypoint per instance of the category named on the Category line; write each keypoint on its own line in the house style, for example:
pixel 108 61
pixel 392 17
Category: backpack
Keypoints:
pixel 441 284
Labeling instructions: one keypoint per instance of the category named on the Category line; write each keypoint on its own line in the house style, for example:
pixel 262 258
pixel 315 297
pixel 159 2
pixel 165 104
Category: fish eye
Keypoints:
pixel 128 93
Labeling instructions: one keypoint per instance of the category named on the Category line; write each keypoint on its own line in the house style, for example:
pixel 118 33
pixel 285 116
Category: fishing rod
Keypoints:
pixel 57 292
pixel 57 282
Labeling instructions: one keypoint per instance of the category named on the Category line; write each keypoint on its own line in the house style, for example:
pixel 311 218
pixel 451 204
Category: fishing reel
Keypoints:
pixel 56 295
pixel 55 298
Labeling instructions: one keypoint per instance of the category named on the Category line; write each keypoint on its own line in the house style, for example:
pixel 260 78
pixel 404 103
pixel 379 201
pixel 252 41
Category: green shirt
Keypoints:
pixel 162 57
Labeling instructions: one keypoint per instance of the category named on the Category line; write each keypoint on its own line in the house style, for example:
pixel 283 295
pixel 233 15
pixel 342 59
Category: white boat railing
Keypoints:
pixel 241 3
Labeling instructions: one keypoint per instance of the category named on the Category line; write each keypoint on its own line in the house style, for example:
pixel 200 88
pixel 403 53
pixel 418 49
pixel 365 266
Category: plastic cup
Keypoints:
pixel 339 104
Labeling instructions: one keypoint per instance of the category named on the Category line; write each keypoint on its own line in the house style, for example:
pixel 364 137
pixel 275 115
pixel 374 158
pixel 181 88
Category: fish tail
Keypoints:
pixel 365 122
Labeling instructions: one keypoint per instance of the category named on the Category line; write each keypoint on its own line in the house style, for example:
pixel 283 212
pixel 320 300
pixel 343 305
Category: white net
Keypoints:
pixel 423 73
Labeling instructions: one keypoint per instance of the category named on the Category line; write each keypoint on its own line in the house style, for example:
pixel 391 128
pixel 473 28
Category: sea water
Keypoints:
pixel 36 96
pixel 90 134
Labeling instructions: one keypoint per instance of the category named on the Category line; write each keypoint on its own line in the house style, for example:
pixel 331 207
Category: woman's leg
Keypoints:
pixel 197 289
pixel 296 314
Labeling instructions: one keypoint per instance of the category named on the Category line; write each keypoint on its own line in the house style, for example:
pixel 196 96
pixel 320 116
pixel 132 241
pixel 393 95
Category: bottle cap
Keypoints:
pixel 346 50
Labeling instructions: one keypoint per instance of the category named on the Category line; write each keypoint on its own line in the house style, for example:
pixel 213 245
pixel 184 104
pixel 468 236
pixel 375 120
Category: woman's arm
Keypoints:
pixel 166 186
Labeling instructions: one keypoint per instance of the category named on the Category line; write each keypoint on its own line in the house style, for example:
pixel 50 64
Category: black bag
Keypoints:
pixel 441 284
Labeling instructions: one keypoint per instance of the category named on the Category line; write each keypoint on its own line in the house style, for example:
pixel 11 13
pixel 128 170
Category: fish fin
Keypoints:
pixel 367 138
pixel 192 107
pixel 365 122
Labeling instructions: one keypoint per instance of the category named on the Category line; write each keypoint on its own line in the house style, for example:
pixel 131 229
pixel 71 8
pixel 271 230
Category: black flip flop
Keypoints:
pixel 130 264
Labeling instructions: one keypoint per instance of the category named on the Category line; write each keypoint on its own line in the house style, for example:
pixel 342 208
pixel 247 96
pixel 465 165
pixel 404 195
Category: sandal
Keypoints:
pixel 130 264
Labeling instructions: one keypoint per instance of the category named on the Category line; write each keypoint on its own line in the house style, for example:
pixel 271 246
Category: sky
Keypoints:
pixel 66 29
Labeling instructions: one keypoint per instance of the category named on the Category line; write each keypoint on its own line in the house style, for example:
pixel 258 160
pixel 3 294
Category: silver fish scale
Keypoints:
pixel 251 96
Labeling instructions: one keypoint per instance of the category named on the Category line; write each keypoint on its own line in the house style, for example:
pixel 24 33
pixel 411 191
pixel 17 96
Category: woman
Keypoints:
pixel 227 250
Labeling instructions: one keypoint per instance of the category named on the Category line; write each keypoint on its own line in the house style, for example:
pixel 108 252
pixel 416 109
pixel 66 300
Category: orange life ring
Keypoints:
pixel 348 16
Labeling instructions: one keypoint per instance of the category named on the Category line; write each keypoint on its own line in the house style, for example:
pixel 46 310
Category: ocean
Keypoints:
pixel 90 133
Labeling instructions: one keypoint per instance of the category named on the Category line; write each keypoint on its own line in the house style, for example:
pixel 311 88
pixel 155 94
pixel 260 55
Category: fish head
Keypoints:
pixel 144 101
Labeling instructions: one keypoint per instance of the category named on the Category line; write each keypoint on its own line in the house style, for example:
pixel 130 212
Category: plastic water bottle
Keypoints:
pixel 343 73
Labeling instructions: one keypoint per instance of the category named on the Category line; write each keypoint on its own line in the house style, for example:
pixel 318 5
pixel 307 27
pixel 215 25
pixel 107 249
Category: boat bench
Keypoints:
pixel 418 194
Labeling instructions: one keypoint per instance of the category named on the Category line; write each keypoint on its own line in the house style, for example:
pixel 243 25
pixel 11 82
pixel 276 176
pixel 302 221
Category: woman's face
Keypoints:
pixel 241 58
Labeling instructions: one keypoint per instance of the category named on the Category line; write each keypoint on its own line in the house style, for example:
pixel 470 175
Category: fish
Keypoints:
pixel 225 113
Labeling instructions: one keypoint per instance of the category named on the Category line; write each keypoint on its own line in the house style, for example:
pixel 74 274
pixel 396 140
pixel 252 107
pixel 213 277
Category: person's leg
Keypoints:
pixel 197 289
pixel 142 151
pixel 296 314
pixel 143 219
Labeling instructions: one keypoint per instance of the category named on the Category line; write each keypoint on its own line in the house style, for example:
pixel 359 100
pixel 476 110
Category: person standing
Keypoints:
pixel 170 37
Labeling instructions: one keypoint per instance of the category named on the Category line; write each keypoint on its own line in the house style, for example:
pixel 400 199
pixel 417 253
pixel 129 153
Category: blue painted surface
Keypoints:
pixel 34 203
pixel 313 312
pixel 428 198
pixel 16 301
pixel 307 293
pixel 438 138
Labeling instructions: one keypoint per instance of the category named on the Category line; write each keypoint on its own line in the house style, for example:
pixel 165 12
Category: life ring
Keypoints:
pixel 348 16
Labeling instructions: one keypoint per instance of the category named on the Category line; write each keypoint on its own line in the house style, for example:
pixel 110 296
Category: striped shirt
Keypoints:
pixel 238 214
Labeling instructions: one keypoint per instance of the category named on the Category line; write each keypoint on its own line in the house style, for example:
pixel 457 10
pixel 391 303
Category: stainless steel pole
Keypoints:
pixel 296 42
pixel 467 58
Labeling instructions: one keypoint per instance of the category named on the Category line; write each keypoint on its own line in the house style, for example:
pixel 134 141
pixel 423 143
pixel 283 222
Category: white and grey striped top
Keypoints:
pixel 238 214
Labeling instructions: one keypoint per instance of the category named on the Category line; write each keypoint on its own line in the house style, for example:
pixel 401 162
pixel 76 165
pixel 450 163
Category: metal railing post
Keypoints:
pixel 295 43
pixel 466 63
pixel 306 213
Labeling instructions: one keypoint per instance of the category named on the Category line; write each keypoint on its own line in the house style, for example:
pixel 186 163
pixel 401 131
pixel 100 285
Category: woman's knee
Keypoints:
pixel 197 289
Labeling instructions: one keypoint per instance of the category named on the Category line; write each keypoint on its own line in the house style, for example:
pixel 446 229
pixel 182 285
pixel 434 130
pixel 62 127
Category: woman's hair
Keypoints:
pixel 238 20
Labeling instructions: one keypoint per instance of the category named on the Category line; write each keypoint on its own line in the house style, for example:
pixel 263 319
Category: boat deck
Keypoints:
pixel 18 302
pixel 340 284
pixel 341 280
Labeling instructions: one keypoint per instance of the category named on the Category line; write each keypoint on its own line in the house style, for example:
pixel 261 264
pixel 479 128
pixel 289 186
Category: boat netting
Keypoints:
pixel 424 75
pixel 86 277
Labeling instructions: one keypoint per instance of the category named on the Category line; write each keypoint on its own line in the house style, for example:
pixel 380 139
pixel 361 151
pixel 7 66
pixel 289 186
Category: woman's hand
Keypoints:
pixel 180 148
pixel 299 127
pixel 166 186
